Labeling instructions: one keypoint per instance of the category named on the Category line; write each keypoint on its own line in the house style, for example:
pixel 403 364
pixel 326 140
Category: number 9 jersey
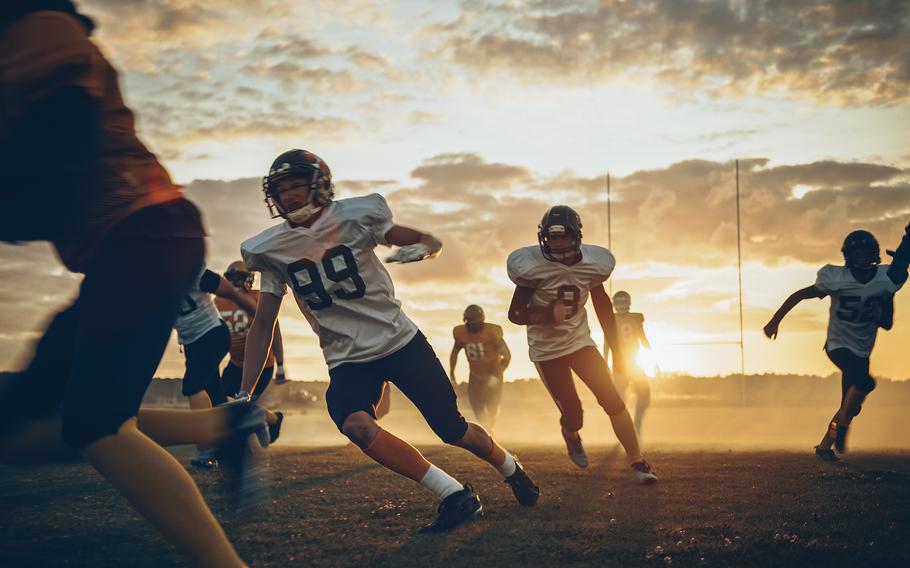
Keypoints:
pixel 554 281
pixel 339 283
pixel 855 307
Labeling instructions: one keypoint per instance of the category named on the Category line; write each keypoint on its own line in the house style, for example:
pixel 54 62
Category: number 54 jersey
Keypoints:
pixel 855 307
pixel 340 285
pixel 554 281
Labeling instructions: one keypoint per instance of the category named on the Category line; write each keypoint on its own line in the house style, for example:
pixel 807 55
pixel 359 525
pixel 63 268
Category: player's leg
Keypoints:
pixel 385 401
pixel 417 372
pixel 556 375
pixel 264 379
pixel 116 354
pixel 494 398
pixel 354 391
pixel 591 368
pixel 231 377
pixel 642 388
pixel 476 397
pixel 857 383
pixel 30 400
pixel 202 379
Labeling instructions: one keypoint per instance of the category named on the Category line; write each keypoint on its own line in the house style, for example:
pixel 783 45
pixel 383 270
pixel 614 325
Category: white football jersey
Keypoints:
pixel 198 314
pixel 855 307
pixel 553 281
pixel 340 285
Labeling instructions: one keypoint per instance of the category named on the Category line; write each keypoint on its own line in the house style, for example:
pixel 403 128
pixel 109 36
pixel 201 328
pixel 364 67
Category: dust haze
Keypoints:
pixel 780 412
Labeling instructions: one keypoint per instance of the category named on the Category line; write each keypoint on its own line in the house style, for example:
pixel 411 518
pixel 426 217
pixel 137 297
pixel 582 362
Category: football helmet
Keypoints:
pixel 473 318
pixel 558 221
pixel 239 276
pixel 861 250
pixel 622 302
pixel 311 170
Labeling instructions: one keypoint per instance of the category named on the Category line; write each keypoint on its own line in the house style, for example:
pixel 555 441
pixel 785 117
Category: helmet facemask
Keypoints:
pixel 560 221
pixel 312 173
pixel 861 250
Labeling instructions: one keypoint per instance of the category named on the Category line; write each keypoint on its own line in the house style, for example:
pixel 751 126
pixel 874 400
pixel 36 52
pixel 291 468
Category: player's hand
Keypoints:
pixel 410 253
pixel 770 329
pixel 280 375
pixel 560 311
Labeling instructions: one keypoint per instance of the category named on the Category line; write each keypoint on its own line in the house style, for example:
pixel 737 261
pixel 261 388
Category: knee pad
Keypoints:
pixel 572 421
pixel 450 430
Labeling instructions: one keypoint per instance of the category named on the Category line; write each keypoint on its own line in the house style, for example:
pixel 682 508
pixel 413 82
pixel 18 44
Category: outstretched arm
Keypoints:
pixel 505 356
pixel 770 328
pixel 453 361
pixel 259 339
pixel 414 245
pixel 901 255
pixel 603 307
pixel 522 313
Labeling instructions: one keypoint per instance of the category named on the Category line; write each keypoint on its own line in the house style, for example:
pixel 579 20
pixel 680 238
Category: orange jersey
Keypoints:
pixel 481 348
pixel 238 322
pixel 45 51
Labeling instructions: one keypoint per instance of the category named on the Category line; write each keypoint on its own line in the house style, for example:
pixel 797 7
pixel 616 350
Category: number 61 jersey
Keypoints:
pixel 554 281
pixel 340 285
pixel 855 307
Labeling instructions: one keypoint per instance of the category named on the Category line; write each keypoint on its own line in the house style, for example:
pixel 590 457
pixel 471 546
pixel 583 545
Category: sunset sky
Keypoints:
pixel 473 117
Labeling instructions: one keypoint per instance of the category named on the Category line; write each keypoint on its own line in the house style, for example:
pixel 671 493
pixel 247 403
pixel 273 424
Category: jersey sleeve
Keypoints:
pixel 377 218
pixel 892 285
pixel 47 51
pixel 828 279
pixel 271 279
pixel 603 262
pixel 209 281
pixel 521 270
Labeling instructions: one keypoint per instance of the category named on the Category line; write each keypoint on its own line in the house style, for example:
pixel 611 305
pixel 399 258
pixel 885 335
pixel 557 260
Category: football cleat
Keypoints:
pixel 644 473
pixel 204 459
pixel 275 429
pixel 524 489
pixel 576 450
pixel 840 439
pixel 826 455
pixel 454 510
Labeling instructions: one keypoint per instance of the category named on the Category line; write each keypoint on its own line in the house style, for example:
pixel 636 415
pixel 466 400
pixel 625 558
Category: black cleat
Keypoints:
pixel 840 439
pixel 826 455
pixel 275 429
pixel 526 493
pixel 455 509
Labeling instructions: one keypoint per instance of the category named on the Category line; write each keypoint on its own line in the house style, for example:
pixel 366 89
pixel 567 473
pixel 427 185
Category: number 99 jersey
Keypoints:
pixel 855 307
pixel 554 281
pixel 340 285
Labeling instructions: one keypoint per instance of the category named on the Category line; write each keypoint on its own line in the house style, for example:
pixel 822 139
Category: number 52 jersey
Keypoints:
pixel 855 307
pixel 340 285
pixel 554 281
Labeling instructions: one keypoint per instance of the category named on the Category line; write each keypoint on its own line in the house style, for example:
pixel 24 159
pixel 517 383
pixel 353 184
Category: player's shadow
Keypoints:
pixel 597 516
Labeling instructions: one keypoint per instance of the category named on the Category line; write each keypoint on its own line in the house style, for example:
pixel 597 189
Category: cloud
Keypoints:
pixel 833 52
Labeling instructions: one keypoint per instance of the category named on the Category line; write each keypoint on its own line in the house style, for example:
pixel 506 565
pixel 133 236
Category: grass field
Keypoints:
pixel 333 507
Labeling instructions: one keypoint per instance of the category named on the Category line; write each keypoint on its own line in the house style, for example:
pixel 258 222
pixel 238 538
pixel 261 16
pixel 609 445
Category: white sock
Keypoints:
pixel 508 467
pixel 440 483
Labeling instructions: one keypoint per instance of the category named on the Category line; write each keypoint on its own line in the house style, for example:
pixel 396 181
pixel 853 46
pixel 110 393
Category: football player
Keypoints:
pixel 205 340
pixel 488 357
pixel 862 300
pixel 74 172
pixel 631 330
pixel 238 321
pixel 552 282
pixel 324 250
